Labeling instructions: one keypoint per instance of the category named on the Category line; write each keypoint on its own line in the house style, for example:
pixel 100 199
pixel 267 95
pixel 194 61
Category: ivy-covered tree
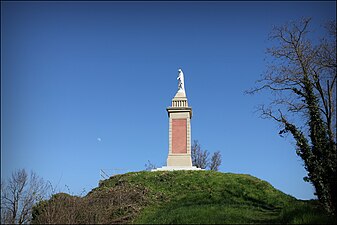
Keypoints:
pixel 301 76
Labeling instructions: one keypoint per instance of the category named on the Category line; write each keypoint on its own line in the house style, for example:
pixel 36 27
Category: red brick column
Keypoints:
pixel 179 136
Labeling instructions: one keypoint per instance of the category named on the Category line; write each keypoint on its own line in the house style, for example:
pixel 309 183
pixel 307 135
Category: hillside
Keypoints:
pixel 202 197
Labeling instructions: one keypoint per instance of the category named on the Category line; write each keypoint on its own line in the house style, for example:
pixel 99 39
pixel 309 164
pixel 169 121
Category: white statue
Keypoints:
pixel 181 83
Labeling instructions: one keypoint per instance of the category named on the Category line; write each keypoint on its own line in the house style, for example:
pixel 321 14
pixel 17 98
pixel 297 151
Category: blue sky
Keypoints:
pixel 85 86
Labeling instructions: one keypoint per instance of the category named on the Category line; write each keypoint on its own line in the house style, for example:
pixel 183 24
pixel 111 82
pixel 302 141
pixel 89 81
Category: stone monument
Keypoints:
pixel 180 114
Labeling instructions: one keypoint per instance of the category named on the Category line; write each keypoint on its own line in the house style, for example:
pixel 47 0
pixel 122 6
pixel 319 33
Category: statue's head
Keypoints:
pixel 179 70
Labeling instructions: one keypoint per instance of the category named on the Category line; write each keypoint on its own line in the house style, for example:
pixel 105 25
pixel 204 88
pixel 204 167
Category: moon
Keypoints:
pixel 99 139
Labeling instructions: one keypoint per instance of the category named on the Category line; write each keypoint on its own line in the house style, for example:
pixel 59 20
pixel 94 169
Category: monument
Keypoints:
pixel 180 114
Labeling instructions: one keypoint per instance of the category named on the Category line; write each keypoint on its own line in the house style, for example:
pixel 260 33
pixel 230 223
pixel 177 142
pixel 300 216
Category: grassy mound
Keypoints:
pixel 201 197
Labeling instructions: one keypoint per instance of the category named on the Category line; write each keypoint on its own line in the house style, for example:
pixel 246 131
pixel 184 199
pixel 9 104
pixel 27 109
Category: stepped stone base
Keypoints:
pixel 172 168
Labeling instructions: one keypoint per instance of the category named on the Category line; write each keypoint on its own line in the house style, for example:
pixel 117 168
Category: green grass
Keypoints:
pixel 208 197
pixel 181 197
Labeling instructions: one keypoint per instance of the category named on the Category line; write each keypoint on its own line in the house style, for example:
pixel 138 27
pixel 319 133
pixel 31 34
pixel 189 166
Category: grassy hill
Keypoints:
pixel 202 197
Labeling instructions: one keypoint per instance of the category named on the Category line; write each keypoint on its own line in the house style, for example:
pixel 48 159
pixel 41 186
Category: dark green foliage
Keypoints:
pixel 320 157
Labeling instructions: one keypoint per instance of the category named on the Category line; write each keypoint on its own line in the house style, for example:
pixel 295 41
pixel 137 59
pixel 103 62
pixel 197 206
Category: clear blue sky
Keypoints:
pixel 85 86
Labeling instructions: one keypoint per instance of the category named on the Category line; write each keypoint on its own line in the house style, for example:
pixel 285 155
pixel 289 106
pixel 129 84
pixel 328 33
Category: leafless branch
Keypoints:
pixel 19 195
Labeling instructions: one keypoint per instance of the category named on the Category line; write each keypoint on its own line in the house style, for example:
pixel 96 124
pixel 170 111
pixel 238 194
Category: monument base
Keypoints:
pixel 179 160
pixel 172 168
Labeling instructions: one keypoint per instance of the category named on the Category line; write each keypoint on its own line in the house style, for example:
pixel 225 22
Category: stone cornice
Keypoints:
pixel 179 109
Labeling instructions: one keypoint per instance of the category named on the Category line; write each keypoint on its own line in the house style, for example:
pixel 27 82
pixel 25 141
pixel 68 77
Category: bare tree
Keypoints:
pixel 18 196
pixel 302 77
pixel 215 161
pixel 149 166
pixel 199 156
